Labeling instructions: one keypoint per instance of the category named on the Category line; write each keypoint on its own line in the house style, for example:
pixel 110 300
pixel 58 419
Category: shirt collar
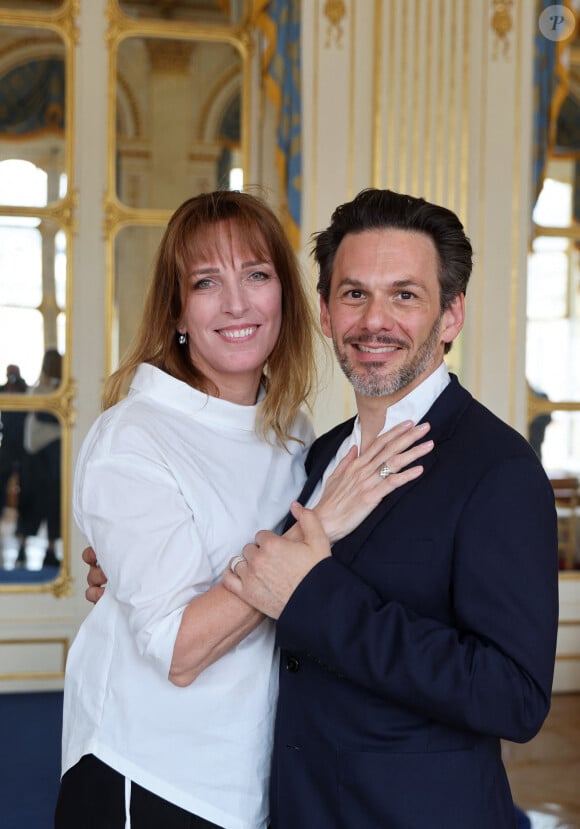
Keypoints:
pixel 413 406
pixel 167 390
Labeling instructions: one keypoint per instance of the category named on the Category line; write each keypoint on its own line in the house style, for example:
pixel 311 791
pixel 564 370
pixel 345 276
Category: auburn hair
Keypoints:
pixel 289 374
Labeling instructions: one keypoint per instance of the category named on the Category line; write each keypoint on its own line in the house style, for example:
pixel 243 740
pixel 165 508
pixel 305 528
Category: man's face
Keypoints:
pixel 384 313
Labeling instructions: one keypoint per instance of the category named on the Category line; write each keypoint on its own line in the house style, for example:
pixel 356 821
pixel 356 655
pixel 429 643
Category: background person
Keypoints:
pixel 40 501
pixel 11 435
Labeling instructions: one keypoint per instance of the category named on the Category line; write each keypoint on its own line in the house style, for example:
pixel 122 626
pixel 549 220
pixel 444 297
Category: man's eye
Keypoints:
pixel 355 294
pixel 406 295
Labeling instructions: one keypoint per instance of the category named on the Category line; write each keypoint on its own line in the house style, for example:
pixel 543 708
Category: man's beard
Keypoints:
pixel 370 381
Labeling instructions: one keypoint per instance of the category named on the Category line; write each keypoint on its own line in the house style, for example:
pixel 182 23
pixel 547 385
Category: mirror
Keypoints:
pixel 30 496
pixel 33 267
pixel 553 285
pixel 135 249
pixel 178 119
pixel 32 115
pixel 31 5
pixel 181 74
pixel 211 12
pixel 36 216
pixel 553 343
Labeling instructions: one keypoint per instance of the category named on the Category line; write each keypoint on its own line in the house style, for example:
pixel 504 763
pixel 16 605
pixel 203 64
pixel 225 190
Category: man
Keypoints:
pixel 429 632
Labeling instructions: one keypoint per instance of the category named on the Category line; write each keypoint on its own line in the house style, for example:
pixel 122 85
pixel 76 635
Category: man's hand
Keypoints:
pixel 275 565
pixel 96 579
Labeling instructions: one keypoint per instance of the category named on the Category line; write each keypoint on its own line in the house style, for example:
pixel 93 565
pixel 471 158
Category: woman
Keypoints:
pixel 171 682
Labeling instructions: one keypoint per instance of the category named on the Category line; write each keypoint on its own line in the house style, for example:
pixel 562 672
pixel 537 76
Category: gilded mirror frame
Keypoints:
pixel 117 214
pixel 61 212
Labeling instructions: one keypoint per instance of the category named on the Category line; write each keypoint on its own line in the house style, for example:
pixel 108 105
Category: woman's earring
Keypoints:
pixel 182 339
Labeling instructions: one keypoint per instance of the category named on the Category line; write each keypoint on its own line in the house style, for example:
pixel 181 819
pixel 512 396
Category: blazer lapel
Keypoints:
pixel 321 453
pixel 442 416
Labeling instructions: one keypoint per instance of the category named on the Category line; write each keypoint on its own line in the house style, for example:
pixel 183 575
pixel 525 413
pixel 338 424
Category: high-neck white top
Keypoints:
pixel 169 485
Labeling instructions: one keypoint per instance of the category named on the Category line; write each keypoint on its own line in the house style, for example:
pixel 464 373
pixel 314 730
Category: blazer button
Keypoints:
pixel 292 664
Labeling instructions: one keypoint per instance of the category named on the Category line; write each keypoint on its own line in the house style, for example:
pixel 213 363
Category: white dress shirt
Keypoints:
pixel 413 406
pixel 169 485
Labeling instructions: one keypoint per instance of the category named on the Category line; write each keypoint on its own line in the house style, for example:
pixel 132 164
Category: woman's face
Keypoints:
pixel 232 314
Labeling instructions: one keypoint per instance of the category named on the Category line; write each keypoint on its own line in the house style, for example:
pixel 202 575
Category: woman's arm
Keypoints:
pixel 211 625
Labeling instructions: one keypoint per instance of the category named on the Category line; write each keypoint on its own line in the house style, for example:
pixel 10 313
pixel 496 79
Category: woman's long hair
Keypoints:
pixel 289 374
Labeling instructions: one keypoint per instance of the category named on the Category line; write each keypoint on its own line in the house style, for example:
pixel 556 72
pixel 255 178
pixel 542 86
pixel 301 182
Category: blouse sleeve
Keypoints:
pixel 129 505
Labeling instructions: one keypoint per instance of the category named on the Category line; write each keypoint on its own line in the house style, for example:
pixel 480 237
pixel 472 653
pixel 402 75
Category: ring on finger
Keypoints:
pixel 234 563
pixel 384 470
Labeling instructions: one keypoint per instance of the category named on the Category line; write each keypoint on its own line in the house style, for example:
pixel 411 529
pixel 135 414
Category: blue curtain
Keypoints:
pixel 545 87
pixel 280 22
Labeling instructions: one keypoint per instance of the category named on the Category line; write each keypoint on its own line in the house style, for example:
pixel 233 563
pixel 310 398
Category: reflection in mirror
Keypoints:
pixel 36 227
pixel 32 111
pixel 566 488
pixel 31 5
pixel 32 290
pixel 553 343
pixel 135 249
pixel 212 12
pixel 178 120
pixel 30 489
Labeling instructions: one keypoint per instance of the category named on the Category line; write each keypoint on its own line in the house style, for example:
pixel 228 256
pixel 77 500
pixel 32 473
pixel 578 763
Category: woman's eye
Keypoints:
pixel 201 284
pixel 258 276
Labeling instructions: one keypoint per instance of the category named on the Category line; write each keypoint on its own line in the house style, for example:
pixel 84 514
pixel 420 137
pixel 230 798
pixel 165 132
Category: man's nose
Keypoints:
pixel 378 315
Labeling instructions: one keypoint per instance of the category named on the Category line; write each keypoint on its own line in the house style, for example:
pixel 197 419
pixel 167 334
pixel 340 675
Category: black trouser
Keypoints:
pixel 92 796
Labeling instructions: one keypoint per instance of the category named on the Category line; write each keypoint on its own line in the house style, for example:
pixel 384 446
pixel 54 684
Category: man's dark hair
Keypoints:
pixel 376 209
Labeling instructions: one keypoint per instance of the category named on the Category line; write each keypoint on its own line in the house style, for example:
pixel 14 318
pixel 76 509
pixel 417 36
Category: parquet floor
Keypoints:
pixel 545 773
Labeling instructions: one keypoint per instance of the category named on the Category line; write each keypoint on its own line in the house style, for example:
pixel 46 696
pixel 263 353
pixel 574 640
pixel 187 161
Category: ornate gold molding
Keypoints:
pixel 62 20
pixel 335 12
pixel 169 56
pixel 61 212
pixel 63 642
pixel 133 106
pixel 502 25
pixel 118 215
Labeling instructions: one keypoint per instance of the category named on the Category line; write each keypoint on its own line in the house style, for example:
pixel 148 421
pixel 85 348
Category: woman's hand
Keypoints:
pixel 96 579
pixel 356 486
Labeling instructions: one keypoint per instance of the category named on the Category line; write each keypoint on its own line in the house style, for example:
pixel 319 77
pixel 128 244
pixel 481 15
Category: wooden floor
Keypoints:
pixel 545 773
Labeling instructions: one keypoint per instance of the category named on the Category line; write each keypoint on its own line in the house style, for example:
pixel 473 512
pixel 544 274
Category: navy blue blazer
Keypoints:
pixel 427 636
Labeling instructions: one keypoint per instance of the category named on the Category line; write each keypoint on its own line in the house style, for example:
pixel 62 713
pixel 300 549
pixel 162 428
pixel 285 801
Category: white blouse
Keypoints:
pixel 171 483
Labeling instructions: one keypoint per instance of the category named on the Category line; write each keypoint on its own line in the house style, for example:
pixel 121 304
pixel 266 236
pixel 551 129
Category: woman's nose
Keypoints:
pixel 235 300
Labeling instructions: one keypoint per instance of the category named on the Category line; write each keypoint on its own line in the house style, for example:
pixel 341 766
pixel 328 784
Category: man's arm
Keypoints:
pixel 490 668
